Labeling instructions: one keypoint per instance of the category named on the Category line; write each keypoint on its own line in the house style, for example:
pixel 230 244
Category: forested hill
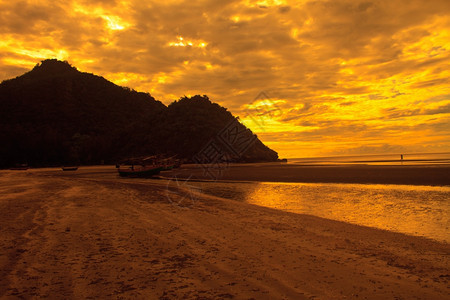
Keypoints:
pixel 56 115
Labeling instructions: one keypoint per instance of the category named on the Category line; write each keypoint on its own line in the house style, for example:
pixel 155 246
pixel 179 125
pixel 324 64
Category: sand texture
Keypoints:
pixel 91 235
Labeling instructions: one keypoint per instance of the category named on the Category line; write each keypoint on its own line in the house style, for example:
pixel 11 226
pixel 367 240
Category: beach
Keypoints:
pixel 279 172
pixel 90 234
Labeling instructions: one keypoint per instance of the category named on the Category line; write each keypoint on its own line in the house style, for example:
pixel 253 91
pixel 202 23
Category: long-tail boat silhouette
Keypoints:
pixel 20 167
pixel 147 166
pixel 69 168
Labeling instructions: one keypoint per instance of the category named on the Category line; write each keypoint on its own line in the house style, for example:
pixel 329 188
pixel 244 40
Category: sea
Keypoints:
pixel 378 159
pixel 411 209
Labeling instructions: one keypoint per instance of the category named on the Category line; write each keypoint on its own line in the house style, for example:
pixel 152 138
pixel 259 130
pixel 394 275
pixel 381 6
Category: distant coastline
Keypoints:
pixel 377 159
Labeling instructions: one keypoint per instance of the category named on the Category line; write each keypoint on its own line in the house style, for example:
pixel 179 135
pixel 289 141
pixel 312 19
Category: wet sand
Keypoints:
pixel 282 172
pixel 89 234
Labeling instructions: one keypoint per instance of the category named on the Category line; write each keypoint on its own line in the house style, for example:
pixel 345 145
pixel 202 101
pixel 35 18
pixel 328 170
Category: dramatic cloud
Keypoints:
pixel 337 76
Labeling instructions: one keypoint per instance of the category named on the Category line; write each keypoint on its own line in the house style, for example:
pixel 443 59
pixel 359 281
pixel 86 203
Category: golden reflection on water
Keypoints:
pixel 414 210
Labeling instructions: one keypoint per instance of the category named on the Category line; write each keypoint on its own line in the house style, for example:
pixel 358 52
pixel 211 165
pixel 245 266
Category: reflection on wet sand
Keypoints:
pixel 414 210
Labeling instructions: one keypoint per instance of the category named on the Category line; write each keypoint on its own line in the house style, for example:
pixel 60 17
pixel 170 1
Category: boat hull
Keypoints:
pixel 69 168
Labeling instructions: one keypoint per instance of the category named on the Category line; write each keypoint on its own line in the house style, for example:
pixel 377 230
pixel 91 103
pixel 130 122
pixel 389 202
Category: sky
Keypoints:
pixel 310 78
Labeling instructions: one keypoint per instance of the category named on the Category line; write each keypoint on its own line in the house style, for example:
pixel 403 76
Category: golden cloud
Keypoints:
pixel 345 74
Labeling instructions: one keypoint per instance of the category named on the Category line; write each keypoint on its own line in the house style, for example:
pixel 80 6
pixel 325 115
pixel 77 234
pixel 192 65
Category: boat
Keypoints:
pixel 69 168
pixel 140 171
pixel 146 166
pixel 20 167
pixel 170 163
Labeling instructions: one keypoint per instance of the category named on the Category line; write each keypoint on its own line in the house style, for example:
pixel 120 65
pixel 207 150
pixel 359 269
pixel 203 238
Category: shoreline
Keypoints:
pixel 184 179
pixel 428 175
pixel 350 202
pixel 433 175
pixel 92 234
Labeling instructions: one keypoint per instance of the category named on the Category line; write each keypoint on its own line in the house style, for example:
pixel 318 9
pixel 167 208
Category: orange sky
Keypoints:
pixel 329 77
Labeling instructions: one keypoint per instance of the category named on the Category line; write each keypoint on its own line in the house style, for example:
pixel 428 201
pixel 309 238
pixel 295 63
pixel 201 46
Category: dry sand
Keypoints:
pixel 89 234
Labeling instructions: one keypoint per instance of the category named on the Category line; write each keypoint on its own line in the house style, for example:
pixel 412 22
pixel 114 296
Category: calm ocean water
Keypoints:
pixel 414 210
pixel 390 159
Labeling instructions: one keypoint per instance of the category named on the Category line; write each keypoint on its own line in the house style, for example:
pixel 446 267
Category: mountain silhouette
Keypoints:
pixel 56 115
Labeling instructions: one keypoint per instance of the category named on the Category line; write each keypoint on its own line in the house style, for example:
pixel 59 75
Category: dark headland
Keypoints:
pixel 56 115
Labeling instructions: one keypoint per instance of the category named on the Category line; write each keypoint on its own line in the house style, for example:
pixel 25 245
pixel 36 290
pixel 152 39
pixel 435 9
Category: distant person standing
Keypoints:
pixel 401 156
